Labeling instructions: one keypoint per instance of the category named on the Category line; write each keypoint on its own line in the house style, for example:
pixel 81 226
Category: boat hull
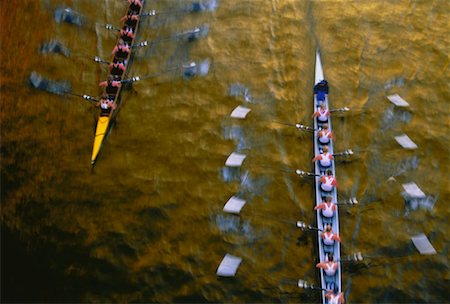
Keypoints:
pixel 326 281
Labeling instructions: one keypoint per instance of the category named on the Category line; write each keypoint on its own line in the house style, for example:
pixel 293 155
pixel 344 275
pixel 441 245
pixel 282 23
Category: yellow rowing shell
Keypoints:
pixel 100 133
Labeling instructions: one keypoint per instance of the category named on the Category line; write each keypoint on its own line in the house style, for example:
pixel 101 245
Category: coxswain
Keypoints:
pixel 328 236
pixel 328 207
pixel 127 34
pixel 328 181
pixel 111 86
pixel 117 68
pixel 121 50
pixel 325 158
pixel 321 90
pixel 328 266
pixel 322 113
pixel 135 5
pixel 325 135
pixel 105 104
pixel 130 19
pixel 334 296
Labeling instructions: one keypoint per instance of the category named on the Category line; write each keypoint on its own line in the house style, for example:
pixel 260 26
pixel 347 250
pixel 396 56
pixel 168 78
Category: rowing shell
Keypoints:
pixel 104 122
pixel 327 282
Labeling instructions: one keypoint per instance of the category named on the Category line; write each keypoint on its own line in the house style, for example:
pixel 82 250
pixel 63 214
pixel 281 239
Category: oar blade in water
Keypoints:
pixel 398 101
pixel 422 244
pixel 240 112
pixel 413 191
pixel 235 160
pixel 229 265
pixel 405 142
pixel 68 15
pixel 234 205
pixel 56 47
pixel 56 87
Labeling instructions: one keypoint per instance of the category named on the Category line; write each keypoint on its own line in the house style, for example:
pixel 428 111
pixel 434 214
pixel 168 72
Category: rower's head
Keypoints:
pixel 325 149
pixel 329 198
pixel 121 41
pixel 322 106
pixel 105 97
pixel 330 257
pixel 110 78
pixel 325 126
pixel 328 228
pixel 329 172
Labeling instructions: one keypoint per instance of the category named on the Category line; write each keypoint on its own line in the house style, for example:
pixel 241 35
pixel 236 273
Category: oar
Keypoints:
pixel 194 8
pixel 304 173
pixel 59 88
pixel 347 152
pixel 303 226
pixel 297 125
pixel 304 284
pixel 344 109
pixel 189 71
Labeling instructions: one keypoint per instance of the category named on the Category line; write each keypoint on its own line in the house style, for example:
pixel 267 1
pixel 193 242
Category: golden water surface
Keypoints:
pixel 146 224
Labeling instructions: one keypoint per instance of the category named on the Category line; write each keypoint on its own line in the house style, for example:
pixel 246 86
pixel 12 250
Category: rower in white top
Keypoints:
pixel 328 236
pixel 325 158
pixel 328 207
pixel 322 113
pixel 329 266
pixel 328 181
pixel 335 297
pixel 325 135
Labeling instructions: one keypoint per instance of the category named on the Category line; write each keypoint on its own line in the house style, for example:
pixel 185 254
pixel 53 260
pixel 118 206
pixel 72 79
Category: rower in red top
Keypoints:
pixel 328 236
pixel 117 68
pixel 105 104
pixel 322 113
pixel 121 50
pixel 328 207
pixel 127 34
pixel 328 181
pixel 325 135
pixel 135 5
pixel 130 19
pixel 325 158
pixel 335 297
pixel 328 266
pixel 111 86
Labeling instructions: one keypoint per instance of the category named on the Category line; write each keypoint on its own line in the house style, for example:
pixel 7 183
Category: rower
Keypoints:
pixel 130 19
pixel 328 207
pixel 328 236
pixel 127 34
pixel 111 86
pixel 135 5
pixel 117 68
pixel 321 90
pixel 329 266
pixel 328 182
pixel 106 104
pixel 121 50
pixel 322 114
pixel 325 135
pixel 334 296
pixel 324 159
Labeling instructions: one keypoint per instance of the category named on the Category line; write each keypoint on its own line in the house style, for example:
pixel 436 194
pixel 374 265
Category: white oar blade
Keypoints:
pixel 398 101
pixel 422 244
pixel 405 142
pixel 235 160
pixel 413 190
pixel 229 265
pixel 234 205
pixel 240 112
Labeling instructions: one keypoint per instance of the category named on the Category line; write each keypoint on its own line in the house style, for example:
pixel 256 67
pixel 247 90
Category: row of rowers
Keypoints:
pixel 120 52
pixel 328 184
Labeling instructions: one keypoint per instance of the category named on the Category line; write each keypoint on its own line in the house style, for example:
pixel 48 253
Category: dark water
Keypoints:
pixel 146 225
